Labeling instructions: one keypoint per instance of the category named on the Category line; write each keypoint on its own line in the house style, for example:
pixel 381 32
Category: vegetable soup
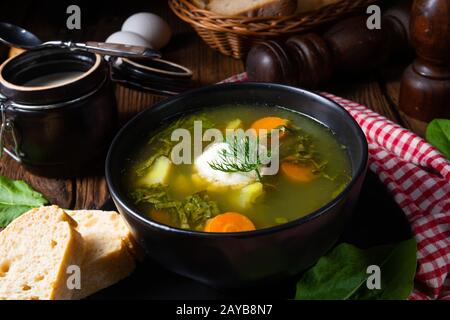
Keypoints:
pixel 221 190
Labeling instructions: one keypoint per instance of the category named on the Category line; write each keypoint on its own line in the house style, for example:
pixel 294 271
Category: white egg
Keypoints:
pixel 217 177
pixel 130 38
pixel 149 26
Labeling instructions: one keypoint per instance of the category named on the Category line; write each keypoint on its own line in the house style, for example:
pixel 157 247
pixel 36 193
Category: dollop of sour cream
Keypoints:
pixel 217 177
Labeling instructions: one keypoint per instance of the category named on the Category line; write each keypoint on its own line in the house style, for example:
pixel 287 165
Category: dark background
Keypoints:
pixel 99 19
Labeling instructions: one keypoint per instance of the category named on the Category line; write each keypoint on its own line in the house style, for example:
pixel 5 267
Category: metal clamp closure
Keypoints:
pixel 7 126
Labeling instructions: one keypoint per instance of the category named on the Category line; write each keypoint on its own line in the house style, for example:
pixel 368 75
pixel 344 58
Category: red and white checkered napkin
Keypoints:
pixel 418 177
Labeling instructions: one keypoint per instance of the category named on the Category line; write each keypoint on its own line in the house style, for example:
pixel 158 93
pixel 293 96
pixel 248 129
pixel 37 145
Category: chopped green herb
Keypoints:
pixel 242 156
pixel 191 213
pixel 304 150
pixel 162 140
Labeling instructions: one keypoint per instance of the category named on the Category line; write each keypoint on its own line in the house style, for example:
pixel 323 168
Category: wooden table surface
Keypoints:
pixel 47 19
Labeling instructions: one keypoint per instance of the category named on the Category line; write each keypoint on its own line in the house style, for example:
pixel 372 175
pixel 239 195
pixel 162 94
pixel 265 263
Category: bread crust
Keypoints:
pixel 283 8
pixel 110 250
pixel 200 3
pixel 73 257
pixel 267 9
pixel 98 242
pixel 41 232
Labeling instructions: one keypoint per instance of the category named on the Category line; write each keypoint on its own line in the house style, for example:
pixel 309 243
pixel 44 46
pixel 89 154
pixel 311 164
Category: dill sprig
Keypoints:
pixel 241 156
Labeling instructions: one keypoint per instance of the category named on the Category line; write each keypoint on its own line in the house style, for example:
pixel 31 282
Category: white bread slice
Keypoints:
pixel 253 8
pixel 109 250
pixel 35 251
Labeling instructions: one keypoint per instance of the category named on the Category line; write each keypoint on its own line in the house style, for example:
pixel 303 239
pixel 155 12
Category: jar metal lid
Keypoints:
pixel 15 105
pixel 157 76
pixel 16 71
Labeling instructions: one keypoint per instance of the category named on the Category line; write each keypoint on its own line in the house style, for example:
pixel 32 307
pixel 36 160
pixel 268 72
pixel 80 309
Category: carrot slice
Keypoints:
pixel 268 124
pixel 297 173
pixel 229 222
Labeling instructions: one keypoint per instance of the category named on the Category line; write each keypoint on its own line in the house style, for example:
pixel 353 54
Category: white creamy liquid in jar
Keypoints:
pixel 52 79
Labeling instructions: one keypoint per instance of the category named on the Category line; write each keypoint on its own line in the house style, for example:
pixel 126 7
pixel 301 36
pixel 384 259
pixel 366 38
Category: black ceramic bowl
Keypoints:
pixel 249 258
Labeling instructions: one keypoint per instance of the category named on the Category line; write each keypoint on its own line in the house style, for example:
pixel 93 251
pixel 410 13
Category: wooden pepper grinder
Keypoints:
pixel 425 87
pixel 348 47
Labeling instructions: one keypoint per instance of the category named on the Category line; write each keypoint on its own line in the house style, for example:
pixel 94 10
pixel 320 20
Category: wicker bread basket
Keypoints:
pixel 234 35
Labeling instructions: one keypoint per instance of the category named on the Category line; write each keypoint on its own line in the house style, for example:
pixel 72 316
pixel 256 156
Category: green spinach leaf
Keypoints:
pixel 192 212
pixel 339 274
pixel 342 274
pixel 438 134
pixel 16 197
pixel 397 275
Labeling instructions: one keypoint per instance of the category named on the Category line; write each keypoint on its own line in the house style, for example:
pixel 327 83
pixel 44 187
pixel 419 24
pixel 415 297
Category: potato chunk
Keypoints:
pixel 250 194
pixel 235 124
pixel 158 173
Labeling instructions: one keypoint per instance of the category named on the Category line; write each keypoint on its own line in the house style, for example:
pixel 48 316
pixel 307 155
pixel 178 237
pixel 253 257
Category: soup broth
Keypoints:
pixel 314 169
